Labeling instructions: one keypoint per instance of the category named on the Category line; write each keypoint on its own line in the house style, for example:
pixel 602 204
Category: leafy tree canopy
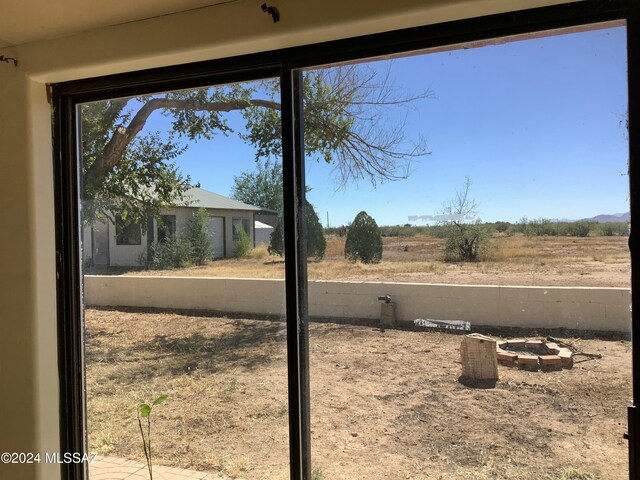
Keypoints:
pixel 132 171
pixel 262 187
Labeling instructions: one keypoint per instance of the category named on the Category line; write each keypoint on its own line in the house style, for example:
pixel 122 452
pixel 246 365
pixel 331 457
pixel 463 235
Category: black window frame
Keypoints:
pixel 285 64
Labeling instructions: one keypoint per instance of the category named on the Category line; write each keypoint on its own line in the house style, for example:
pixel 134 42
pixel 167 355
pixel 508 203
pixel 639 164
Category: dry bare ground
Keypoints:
pixel 515 260
pixel 385 405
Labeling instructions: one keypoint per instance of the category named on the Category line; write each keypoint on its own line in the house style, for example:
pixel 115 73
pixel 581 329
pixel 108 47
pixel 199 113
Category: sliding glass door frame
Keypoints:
pixel 286 64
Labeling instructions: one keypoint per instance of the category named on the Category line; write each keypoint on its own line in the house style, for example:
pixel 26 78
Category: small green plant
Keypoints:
pixel 364 241
pixel 144 412
pixel 317 473
pixel 573 473
pixel 242 245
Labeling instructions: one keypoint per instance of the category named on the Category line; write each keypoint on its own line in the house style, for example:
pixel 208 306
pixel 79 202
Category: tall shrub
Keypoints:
pixel 466 242
pixel 316 244
pixel 467 238
pixel 364 241
pixel 199 237
pixel 276 241
pixel 315 241
pixel 242 245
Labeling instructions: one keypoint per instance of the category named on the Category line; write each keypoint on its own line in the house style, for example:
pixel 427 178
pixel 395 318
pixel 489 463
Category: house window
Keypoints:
pixel 166 228
pixel 127 233
pixel 237 223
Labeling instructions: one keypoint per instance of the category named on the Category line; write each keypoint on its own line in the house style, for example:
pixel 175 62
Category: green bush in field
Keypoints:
pixel 613 229
pixel 579 229
pixel 242 246
pixel 502 227
pixel 199 237
pixel 364 241
pixel 315 241
pixel 398 231
pixel 545 227
pixel 537 227
pixel 438 231
pixel 466 242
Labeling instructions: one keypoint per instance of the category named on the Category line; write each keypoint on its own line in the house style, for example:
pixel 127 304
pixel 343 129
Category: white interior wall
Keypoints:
pixel 28 406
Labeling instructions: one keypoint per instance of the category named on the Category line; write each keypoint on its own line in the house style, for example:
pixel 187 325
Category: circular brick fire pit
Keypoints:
pixel 533 354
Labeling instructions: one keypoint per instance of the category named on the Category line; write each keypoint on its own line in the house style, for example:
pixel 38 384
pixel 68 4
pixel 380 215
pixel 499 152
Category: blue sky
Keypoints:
pixel 535 124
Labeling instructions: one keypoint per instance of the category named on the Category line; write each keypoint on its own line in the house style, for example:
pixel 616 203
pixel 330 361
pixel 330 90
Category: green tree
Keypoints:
pixel 364 241
pixel 199 237
pixel 262 187
pixel 132 171
pixel 315 241
pixel 467 238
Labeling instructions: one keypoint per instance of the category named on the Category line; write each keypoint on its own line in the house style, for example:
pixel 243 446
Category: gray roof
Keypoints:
pixel 199 197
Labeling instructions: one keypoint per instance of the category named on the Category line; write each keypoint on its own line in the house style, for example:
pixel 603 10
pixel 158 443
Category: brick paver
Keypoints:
pixel 114 468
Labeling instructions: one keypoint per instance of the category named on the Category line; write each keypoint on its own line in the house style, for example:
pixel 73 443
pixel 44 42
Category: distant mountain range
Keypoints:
pixel 614 217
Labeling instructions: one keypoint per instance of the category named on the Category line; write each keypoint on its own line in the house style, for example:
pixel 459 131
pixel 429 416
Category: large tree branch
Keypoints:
pixel 124 135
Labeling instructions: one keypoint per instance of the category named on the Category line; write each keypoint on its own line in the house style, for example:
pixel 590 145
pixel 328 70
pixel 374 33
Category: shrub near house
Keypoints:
pixel 194 246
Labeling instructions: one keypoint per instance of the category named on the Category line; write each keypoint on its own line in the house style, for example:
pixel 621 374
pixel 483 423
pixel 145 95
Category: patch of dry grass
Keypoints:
pixel 206 368
pixel 383 405
pixel 515 249
pixel 515 260
pixel 340 269
pixel 335 246
pixel 505 470
pixel 261 252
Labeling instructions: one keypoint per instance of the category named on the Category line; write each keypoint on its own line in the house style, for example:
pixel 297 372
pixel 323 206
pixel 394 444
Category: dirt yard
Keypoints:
pixel 515 260
pixel 384 405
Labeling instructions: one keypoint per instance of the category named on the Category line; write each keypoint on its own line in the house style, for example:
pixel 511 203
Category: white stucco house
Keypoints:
pixel 109 244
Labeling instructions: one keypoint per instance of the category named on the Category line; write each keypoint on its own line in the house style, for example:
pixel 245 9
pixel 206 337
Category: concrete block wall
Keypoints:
pixel 256 296
pixel 582 308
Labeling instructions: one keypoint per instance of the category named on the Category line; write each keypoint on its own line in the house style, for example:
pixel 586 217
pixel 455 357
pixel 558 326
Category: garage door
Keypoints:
pixel 215 225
